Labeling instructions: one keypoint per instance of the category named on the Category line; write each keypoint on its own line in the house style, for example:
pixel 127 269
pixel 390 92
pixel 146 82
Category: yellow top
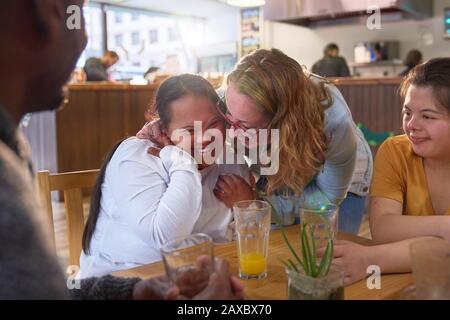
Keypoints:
pixel 399 175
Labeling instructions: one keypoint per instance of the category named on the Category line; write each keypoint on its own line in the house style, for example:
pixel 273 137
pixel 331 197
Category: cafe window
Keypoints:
pixel 119 40
pixel 153 36
pixel 217 64
pixel 135 38
pixel 135 16
pixel 94 30
pixel 173 34
pixel 175 37
pixel 118 17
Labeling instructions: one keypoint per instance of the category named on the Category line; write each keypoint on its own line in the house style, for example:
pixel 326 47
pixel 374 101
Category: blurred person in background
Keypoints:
pixel 413 58
pixel 96 69
pixel 151 74
pixel 331 65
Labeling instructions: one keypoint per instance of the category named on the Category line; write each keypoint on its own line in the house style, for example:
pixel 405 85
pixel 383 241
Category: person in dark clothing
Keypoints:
pixel 331 65
pixel 96 69
pixel 42 53
pixel 413 58
pixel 150 72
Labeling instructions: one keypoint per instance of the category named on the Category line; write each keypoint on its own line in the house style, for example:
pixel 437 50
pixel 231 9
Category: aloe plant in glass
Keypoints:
pixel 310 277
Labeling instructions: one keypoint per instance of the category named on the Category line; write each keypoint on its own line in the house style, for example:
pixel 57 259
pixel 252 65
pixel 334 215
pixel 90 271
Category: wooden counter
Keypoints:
pixel 374 102
pixel 80 134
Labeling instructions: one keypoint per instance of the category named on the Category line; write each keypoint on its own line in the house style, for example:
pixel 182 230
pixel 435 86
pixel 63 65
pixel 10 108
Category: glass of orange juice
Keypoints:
pixel 253 227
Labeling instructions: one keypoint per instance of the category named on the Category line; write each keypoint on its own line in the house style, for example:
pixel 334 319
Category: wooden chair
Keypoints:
pixel 71 183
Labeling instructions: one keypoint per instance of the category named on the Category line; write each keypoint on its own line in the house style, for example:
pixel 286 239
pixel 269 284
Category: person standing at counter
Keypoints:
pixel 96 69
pixel 413 59
pixel 151 74
pixel 331 65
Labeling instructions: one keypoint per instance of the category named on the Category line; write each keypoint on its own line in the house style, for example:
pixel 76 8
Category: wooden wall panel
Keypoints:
pixel 140 101
pixel 376 103
pixel 83 131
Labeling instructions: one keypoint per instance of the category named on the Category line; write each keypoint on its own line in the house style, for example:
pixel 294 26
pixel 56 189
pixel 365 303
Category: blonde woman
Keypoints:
pixel 319 142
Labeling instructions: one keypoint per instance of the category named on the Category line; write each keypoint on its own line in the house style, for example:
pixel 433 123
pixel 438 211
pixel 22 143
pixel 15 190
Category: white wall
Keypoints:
pixel 306 45
pixel 223 28
pixel 221 34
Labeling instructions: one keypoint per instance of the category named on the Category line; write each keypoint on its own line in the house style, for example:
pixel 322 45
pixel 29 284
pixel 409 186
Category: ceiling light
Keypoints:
pixel 245 3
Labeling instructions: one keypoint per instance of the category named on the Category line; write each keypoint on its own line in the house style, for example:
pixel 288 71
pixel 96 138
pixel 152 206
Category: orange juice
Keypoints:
pixel 252 263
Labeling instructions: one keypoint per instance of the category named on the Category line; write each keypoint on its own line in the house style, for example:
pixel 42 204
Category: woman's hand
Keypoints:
pixel 153 131
pixel 222 285
pixel 232 188
pixel 219 285
pixel 352 258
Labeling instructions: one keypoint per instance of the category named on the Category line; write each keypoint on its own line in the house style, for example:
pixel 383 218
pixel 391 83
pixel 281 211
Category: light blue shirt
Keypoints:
pixel 346 147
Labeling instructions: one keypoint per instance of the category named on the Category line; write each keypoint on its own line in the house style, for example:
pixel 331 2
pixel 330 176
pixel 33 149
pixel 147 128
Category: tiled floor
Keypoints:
pixel 61 229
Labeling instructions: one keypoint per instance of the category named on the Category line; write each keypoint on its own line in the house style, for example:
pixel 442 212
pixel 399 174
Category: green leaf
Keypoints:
pixel 285 264
pixel 306 251
pixel 293 265
pixel 314 249
pixel 309 263
pixel 304 255
pixel 311 234
pixel 330 257
pixel 283 233
pixel 327 258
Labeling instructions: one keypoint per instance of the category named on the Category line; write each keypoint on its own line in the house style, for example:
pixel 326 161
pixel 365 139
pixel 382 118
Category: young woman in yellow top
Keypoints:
pixel 410 194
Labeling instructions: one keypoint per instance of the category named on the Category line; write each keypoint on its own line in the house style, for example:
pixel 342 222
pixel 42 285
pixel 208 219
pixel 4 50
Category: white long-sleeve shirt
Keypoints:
pixel 148 200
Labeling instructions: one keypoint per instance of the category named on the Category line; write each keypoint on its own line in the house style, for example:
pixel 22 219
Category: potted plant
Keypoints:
pixel 310 277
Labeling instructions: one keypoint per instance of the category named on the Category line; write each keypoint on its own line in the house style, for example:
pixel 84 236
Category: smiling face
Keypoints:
pixel 426 123
pixel 243 112
pixel 183 113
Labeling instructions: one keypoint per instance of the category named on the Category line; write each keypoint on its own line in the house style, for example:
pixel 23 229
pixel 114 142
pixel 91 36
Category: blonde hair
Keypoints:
pixel 295 104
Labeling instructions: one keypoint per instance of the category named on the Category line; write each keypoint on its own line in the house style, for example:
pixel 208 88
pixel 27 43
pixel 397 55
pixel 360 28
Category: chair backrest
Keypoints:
pixel 71 183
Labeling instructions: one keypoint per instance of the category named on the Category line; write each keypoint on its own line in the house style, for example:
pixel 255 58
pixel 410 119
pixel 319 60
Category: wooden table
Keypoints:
pixel 274 286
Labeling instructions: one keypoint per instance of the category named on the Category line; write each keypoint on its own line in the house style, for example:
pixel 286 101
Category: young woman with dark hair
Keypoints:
pixel 409 196
pixel 146 196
